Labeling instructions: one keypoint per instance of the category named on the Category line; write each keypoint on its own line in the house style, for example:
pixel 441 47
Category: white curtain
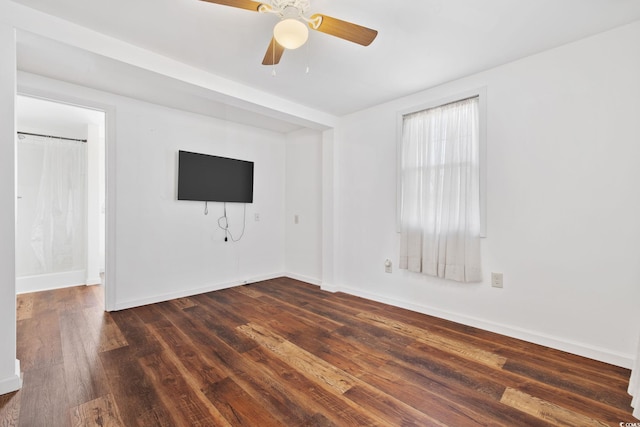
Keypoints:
pixel 440 196
pixel 634 385
pixel 57 234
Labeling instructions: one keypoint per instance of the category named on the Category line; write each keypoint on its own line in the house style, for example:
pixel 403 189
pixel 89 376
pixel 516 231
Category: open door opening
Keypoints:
pixel 61 215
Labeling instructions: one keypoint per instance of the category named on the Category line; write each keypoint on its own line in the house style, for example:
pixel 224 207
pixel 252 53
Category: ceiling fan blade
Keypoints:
pixel 241 4
pixel 274 53
pixel 343 29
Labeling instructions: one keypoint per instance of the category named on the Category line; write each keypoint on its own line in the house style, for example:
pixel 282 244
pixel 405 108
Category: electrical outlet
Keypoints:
pixel 296 219
pixel 256 217
pixel 388 266
pixel 496 280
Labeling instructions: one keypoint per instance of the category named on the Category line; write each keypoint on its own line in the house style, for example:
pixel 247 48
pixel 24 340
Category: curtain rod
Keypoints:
pixel 51 136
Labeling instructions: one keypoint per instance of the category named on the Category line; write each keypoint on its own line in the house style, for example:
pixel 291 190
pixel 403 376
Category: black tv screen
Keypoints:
pixel 214 179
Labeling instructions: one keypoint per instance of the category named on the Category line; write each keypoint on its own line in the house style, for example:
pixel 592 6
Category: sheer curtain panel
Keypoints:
pixel 57 234
pixel 440 192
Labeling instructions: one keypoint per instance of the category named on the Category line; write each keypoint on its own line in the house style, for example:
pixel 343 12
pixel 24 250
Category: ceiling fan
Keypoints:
pixel 291 32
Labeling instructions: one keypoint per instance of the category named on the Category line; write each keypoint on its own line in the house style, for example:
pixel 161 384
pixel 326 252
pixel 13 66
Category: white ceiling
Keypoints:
pixel 420 44
pixel 62 62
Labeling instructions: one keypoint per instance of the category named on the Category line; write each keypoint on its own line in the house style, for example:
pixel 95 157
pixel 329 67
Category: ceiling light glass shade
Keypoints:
pixel 290 33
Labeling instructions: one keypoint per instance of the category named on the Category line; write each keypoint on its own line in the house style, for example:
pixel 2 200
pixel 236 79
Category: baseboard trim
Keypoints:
pixel 93 281
pixel 303 278
pixel 329 287
pixel 580 349
pixel 46 282
pixel 13 382
pixel 123 305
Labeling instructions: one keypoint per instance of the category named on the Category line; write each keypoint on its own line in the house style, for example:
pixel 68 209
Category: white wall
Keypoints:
pixel 9 366
pixel 563 201
pixel 303 243
pixel 164 248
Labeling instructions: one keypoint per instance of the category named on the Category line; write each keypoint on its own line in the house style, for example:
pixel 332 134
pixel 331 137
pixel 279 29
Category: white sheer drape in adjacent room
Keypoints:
pixel 55 204
pixel 440 192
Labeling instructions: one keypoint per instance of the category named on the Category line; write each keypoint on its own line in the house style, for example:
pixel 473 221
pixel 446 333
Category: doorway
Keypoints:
pixel 60 218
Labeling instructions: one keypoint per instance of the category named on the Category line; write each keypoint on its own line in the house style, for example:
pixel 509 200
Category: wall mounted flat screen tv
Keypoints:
pixel 214 179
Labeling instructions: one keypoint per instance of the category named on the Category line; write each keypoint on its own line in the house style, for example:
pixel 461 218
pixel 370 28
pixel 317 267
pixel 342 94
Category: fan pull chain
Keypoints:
pixel 273 56
pixel 308 55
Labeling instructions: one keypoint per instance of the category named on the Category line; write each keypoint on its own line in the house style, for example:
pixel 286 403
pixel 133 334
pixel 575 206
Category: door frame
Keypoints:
pixel 110 177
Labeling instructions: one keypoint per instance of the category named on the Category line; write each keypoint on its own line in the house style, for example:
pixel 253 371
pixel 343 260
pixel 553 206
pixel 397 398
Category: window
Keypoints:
pixel 440 208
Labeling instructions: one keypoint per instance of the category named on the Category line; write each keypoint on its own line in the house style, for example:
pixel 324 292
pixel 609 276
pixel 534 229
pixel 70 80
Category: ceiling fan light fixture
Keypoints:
pixel 290 33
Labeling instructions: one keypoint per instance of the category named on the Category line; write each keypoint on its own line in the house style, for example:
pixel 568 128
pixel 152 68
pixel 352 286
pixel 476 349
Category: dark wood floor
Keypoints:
pixel 284 353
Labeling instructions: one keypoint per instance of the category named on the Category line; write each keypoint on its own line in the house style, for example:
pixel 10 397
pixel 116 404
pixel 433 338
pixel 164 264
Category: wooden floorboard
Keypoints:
pixel 99 412
pixel 285 353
